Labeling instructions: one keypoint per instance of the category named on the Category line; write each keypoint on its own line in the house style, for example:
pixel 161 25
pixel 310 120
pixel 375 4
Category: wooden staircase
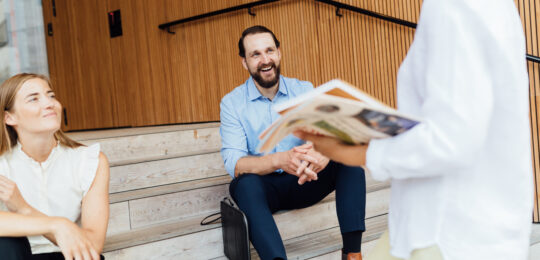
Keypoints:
pixel 165 180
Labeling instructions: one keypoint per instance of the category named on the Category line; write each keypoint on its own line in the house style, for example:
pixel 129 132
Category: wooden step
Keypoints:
pixel 185 226
pixel 291 224
pixel 208 244
pixel 161 172
pixel 125 204
pixel 151 206
pixel 366 249
pixel 323 215
pixel 535 234
pixel 164 180
pixel 131 131
pixel 169 188
pixel 129 149
pixel 329 241
pixel 164 208
pixel 534 252
pixel 157 233
pixel 166 203
pixel 201 245
pixel 167 200
pixel 326 244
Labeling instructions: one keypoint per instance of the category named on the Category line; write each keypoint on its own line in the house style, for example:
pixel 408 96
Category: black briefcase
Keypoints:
pixel 234 226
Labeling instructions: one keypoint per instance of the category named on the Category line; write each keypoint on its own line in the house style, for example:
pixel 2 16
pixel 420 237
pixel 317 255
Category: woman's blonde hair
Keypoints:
pixel 8 90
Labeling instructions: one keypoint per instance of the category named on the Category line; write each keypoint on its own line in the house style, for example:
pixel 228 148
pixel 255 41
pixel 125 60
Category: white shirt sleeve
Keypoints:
pixel 88 166
pixel 452 82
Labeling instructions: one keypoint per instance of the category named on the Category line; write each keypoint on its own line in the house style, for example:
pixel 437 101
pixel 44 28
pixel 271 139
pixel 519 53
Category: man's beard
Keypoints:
pixel 266 83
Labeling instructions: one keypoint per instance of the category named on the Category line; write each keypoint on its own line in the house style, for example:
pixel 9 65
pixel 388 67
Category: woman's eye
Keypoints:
pixel 33 99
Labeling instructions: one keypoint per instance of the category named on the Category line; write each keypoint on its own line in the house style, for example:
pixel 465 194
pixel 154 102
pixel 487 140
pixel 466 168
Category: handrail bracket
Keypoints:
pixel 250 12
pixel 338 12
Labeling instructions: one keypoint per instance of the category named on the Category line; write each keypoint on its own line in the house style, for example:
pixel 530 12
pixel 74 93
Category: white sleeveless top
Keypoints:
pixel 55 187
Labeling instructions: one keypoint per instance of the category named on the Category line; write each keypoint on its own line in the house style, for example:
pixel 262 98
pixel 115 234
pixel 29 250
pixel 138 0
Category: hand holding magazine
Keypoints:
pixel 338 110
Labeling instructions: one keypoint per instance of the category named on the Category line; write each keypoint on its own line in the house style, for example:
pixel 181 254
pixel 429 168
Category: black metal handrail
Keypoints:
pixel 368 13
pixel 338 5
pixel 167 26
pixel 533 58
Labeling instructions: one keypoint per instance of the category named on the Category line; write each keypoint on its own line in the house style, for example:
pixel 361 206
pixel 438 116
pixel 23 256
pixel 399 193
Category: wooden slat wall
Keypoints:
pixel 80 63
pixel 530 11
pixel 316 44
pixel 151 77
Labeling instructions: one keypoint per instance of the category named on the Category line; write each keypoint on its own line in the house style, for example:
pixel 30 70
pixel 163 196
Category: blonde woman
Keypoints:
pixel 53 191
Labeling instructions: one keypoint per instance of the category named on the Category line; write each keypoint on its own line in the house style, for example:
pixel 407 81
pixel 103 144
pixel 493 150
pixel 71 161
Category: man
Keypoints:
pixel 293 175
pixel 461 179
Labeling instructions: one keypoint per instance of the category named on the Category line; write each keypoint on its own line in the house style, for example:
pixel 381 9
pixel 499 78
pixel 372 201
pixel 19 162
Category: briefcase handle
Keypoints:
pixel 205 222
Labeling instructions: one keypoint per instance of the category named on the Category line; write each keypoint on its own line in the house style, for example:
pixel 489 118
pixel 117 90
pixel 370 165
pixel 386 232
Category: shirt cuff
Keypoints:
pixel 231 158
pixel 375 159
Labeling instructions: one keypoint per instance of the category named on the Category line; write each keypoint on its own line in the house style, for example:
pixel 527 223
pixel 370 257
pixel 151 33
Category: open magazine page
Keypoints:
pixel 334 87
pixel 280 129
pixel 348 120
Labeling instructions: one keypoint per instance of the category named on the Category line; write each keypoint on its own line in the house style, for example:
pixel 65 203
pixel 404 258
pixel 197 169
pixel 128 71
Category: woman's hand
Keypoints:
pixel 11 196
pixel 72 240
pixel 353 155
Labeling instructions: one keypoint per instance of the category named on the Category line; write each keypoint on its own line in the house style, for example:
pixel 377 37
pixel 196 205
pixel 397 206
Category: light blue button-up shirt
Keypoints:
pixel 246 113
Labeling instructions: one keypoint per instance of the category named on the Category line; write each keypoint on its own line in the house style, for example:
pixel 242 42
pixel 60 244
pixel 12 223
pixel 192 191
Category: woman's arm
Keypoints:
pixel 14 201
pixel 95 206
pixel 17 225
pixel 67 235
pixel 24 220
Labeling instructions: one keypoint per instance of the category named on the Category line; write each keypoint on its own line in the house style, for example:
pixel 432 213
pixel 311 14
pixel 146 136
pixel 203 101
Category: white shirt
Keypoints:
pixel 55 187
pixel 462 179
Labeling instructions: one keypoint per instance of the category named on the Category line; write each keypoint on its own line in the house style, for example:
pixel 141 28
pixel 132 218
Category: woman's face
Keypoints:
pixel 35 110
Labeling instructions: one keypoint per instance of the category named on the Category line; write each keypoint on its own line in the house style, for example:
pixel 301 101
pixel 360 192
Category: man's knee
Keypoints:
pixel 15 248
pixel 350 172
pixel 247 185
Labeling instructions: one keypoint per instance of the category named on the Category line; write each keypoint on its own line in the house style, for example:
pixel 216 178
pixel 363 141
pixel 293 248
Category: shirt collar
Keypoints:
pixel 21 153
pixel 254 93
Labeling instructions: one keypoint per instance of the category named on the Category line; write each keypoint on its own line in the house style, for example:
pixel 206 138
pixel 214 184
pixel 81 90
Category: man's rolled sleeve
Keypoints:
pixel 230 157
pixel 233 137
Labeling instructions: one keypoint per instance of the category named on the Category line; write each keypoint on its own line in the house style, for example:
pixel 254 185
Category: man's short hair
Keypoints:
pixel 253 30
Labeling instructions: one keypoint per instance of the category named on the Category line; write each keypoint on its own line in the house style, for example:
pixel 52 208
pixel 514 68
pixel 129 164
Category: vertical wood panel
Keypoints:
pixel 81 70
pixel 151 77
pixel 529 11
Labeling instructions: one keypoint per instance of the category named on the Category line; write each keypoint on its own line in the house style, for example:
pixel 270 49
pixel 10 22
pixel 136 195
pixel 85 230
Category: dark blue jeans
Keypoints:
pixel 260 196
pixel 18 248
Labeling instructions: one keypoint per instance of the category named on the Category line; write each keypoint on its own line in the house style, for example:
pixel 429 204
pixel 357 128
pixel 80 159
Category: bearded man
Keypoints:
pixel 293 175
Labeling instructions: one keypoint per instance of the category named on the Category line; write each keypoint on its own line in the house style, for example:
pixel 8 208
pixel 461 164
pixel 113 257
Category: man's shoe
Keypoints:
pixel 351 256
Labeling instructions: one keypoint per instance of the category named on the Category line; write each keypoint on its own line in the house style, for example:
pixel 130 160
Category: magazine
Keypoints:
pixel 336 109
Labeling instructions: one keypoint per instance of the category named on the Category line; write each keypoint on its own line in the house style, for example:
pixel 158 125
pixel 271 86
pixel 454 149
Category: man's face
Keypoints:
pixel 262 59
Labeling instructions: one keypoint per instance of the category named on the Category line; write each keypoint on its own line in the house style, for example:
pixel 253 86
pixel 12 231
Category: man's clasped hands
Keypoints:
pixel 302 161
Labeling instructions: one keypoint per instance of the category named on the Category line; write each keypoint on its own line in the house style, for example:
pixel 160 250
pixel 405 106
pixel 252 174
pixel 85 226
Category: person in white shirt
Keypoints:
pixel 461 179
pixel 53 191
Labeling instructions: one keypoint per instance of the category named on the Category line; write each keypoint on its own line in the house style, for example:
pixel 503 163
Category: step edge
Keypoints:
pixel 170 188
pixel 114 163
pixel 141 130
